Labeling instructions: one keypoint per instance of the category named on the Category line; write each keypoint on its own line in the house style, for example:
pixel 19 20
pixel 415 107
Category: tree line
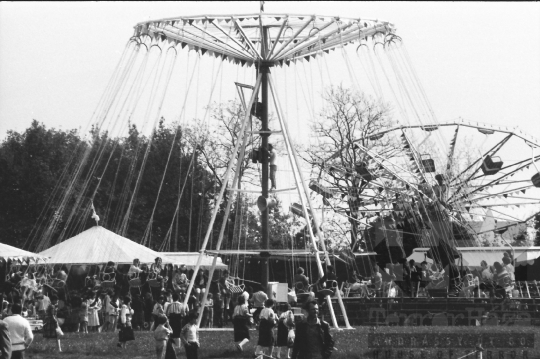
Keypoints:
pixel 159 189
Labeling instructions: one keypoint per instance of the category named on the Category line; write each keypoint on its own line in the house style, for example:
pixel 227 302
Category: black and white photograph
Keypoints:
pixel 260 179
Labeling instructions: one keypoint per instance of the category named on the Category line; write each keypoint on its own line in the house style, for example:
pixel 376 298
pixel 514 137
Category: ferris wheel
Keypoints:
pixel 482 179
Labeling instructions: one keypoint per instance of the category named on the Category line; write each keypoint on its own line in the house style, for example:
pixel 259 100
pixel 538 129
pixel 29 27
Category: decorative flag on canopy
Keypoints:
pixel 94 215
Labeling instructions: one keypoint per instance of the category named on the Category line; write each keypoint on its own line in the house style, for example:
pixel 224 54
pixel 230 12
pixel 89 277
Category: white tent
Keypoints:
pixel 473 256
pixel 99 245
pixel 13 253
pixel 190 260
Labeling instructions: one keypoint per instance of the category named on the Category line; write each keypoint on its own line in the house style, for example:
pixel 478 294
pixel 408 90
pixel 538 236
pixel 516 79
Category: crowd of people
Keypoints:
pixel 412 278
pixel 281 335
pixel 154 300
pixel 155 295
pixel 146 298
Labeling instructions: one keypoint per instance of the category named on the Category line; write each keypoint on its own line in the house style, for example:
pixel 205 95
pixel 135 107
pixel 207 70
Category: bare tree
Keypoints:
pixel 348 118
pixel 221 139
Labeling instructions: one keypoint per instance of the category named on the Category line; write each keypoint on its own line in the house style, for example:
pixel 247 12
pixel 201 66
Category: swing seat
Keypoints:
pixel 154 280
pixel 134 280
pixel 491 165
pixel 297 209
pixel 536 180
pixel 329 288
pixel 299 288
pixel 322 190
pixel 89 281
pixel 108 280
pixel 302 293
pixel 376 137
pixel 235 289
pixel 486 131
pixel 58 284
pixel 427 163
pixel 108 283
pixel 256 156
pixel 362 170
pixel 440 178
pixel 257 109
pixel 324 292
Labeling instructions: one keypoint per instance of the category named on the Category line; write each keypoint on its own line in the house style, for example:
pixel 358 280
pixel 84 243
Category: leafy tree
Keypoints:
pixel 50 178
pixel 30 165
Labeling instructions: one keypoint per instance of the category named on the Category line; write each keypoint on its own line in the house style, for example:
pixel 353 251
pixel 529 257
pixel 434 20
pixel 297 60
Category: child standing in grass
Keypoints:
pixel 83 316
pixel 190 336
pixel 161 335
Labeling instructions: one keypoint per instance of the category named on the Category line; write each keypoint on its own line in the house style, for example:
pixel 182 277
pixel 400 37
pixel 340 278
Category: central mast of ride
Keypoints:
pixel 264 70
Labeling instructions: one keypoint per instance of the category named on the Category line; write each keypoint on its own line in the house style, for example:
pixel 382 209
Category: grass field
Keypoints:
pixel 349 344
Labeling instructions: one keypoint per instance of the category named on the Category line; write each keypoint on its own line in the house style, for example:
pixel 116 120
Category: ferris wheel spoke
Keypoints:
pixel 496 181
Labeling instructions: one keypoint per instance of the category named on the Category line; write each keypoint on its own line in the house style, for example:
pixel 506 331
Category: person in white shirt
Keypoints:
pixel 176 311
pixel 509 267
pixel 190 337
pixel 258 303
pixel 135 267
pixel 19 331
pixel 487 275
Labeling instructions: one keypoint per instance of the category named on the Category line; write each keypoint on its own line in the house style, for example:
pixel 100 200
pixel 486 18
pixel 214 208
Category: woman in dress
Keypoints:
pixel 94 306
pixel 241 322
pixel 50 325
pixel 83 316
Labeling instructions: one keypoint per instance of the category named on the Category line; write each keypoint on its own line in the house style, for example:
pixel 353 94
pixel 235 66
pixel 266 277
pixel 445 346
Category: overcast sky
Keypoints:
pixel 479 61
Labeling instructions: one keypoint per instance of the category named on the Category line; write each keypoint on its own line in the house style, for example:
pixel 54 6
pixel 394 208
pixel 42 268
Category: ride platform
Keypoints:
pixel 440 311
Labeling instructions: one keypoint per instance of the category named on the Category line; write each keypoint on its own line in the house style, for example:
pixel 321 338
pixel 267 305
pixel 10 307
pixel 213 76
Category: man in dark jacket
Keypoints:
pixel 313 339
pixel 5 341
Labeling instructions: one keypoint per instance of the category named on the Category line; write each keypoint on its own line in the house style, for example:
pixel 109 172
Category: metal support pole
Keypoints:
pixel 264 70
pixel 222 191
pixel 301 184
pixel 226 215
